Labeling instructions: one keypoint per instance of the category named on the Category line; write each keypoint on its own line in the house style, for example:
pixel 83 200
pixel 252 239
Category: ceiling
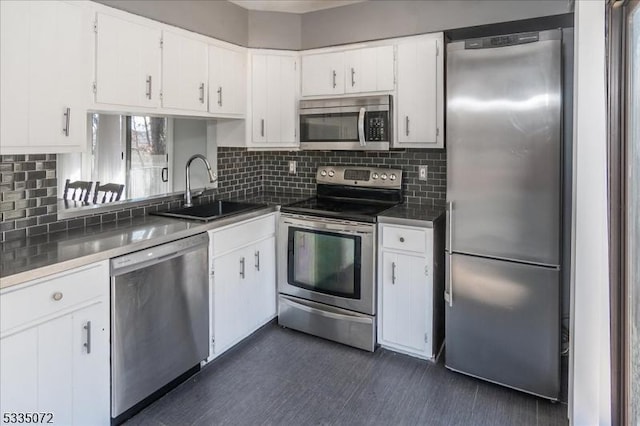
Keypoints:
pixel 292 6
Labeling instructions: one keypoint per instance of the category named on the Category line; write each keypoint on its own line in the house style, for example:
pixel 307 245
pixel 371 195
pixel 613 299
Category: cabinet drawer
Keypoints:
pixel 404 238
pixel 38 299
pixel 241 234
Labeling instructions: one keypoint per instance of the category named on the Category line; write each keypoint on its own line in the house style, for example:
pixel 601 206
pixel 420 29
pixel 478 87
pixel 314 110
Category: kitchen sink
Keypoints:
pixel 211 211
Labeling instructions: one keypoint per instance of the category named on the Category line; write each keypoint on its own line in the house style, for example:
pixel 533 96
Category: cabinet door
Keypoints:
pixel 369 70
pixel 59 76
pixel 50 368
pixel 264 285
pixel 323 74
pixel 45 77
pixel 287 101
pixel 274 98
pixel 419 105
pixel 184 72
pixel 127 63
pixel 226 302
pixel 405 307
pixel 259 95
pixel 227 72
pixel 14 74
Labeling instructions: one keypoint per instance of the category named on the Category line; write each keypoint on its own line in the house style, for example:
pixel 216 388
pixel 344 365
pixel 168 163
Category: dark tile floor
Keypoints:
pixel 282 377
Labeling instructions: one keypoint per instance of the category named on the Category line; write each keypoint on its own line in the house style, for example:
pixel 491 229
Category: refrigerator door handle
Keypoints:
pixel 448 294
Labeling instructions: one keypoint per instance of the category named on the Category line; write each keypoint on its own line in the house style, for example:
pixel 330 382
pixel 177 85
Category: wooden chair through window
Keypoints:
pixel 107 193
pixel 77 191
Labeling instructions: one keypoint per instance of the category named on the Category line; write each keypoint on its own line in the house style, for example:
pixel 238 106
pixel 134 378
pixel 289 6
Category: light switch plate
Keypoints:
pixel 293 167
pixel 422 173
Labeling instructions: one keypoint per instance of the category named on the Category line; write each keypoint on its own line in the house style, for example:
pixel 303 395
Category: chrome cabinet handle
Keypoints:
pixel 201 93
pixel 393 272
pixel 220 96
pixel 242 267
pixel 257 260
pixel 57 296
pixel 67 119
pixel 149 87
pixel 87 344
pixel 353 79
pixel 406 125
pixel 334 78
pixel 402 239
pixel 262 127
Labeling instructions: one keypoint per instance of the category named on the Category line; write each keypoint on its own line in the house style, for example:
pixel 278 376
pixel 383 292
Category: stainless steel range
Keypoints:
pixel 327 252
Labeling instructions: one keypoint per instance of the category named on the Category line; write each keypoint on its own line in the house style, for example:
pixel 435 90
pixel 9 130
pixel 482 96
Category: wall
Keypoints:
pixel 28 193
pixel 29 187
pixel 370 20
pixel 218 19
pixel 379 19
pixel 432 192
pixel 275 30
pixel 590 392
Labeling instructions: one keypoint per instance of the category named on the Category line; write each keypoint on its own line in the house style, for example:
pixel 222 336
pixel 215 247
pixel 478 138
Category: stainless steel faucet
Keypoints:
pixel 212 177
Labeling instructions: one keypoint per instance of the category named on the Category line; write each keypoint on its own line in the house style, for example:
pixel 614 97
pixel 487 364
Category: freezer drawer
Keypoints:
pixel 503 323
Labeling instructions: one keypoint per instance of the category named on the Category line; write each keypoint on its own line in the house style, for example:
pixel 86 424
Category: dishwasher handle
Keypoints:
pixel 151 256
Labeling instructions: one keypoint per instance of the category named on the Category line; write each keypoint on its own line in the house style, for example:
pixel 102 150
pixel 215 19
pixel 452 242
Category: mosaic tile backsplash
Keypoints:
pixel 28 184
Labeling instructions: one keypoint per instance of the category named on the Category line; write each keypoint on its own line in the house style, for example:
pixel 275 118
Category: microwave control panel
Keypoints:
pixel 376 128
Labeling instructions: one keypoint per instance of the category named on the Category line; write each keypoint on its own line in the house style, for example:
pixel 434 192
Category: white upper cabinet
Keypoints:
pixel 369 70
pixel 44 76
pixel 127 62
pixel 227 81
pixel 184 72
pixel 362 70
pixel 323 74
pixel 274 79
pixel 420 95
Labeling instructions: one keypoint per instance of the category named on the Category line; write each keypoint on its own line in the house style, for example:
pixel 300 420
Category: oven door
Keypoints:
pixel 327 261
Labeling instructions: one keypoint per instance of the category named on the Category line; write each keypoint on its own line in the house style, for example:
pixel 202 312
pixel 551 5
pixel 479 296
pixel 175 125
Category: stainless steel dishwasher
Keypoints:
pixel 159 320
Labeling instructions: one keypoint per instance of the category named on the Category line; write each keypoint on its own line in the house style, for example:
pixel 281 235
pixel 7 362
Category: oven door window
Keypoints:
pixel 329 127
pixel 324 262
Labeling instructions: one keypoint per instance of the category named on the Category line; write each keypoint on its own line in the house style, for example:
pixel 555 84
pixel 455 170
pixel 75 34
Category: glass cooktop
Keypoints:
pixel 360 211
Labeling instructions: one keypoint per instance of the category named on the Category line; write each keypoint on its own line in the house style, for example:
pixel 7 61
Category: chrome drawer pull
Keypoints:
pixel 87 344
pixel 402 239
pixel 57 296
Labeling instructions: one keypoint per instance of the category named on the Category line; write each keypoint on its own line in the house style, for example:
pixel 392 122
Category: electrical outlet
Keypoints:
pixel 293 167
pixel 422 172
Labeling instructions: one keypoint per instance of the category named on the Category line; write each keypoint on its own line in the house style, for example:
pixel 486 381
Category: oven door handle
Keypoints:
pixel 363 142
pixel 322 313
pixel 328 227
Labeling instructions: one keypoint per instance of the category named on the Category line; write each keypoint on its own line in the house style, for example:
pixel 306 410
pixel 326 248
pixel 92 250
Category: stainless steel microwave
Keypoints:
pixel 353 124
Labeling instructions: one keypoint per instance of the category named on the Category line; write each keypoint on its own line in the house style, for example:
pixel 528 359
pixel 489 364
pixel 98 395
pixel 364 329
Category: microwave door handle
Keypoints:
pixel 363 142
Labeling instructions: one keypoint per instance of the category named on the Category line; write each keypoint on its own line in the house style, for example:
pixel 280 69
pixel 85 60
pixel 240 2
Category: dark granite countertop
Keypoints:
pixel 30 258
pixel 412 214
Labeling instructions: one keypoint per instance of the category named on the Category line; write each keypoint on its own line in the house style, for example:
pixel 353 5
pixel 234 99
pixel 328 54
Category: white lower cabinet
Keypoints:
pixel 54 347
pixel 243 284
pixel 406 273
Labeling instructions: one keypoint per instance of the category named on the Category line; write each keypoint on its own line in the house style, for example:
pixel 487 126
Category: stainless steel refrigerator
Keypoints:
pixel 504 127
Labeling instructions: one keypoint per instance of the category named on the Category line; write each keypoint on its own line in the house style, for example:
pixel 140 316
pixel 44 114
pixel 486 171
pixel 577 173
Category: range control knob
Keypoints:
pixel 374 176
pixel 383 176
pixel 392 177
pixel 323 173
pixel 331 173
